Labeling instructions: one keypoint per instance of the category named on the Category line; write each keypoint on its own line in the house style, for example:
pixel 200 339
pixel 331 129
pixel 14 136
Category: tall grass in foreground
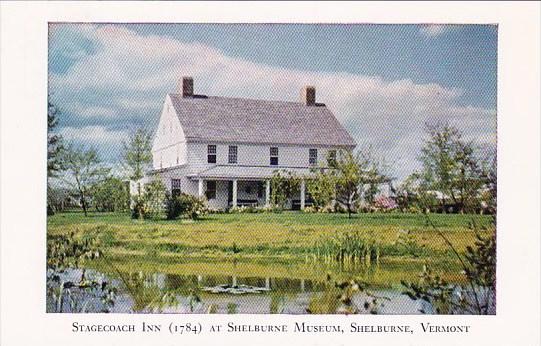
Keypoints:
pixel 347 248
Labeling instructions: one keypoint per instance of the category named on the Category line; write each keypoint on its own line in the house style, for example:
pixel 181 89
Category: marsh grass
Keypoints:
pixel 349 247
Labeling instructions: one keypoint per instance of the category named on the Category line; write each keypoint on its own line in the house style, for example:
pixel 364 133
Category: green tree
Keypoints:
pixel 469 178
pixel 110 194
pixel 348 178
pixel 351 173
pixel 284 185
pixel 84 170
pixel 414 195
pixel 137 154
pixel 54 141
pixel 451 167
pixel 322 188
pixel 54 147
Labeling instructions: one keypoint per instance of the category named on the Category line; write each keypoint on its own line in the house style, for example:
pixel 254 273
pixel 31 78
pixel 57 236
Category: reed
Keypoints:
pixel 347 248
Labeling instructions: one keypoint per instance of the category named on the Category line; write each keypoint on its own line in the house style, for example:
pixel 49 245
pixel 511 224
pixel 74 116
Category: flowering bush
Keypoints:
pixel 151 204
pixel 185 205
pixel 254 210
pixel 385 203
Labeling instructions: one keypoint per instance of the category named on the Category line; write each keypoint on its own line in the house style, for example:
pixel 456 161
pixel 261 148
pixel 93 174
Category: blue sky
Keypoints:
pixel 383 82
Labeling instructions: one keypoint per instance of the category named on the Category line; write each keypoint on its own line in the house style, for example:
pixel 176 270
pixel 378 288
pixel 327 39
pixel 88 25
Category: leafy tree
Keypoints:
pixel 489 173
pixel 477 295
pixel 451 167
pixel 110 194
pixel 136 153
pixel 54 141
pixel 352 172
pixel 414 195
pixel 438 157
pixel 469 179
pixel 85 170
pixel 322 188
pixel 54 147
pixel 284 185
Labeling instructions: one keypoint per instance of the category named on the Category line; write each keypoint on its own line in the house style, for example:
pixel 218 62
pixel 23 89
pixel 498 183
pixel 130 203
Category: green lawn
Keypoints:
pixel 268 244
pixel 288 233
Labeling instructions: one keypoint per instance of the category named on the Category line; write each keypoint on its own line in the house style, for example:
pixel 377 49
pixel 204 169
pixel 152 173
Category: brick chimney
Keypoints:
pixel 185 86
pixel 308 95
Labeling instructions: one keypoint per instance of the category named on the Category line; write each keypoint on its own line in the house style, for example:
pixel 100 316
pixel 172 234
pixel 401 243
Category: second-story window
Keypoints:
pixel 312 157
pixel 211 153
pixel 232 157
pixel 274 156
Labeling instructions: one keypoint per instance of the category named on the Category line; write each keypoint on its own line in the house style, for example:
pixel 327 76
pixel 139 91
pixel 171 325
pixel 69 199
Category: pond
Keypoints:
pixel 245 287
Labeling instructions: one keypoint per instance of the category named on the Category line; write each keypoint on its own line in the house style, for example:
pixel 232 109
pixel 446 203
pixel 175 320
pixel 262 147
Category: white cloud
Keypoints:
pixel 128 76
pixel 433 30
pixel 96 136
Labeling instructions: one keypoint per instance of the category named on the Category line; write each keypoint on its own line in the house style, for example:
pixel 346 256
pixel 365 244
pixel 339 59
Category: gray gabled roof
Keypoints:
pixel 222 119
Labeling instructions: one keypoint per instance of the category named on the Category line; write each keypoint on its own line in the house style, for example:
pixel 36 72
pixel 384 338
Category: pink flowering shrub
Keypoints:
pixel 385 203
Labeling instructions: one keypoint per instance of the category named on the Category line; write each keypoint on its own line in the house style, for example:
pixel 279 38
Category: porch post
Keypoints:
pixel 200 188
pixel 267 193
pixel 235 193
pixel 303 194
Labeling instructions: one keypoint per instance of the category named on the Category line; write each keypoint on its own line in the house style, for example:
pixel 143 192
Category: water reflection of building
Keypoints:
pixel 179 282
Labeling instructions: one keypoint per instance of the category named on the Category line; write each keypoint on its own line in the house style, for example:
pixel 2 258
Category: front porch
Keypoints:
pixel 224 193
pixel 236 186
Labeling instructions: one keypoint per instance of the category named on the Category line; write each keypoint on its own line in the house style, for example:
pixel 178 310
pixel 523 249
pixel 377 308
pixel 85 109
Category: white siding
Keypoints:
pixel 255 155
pixel 169 147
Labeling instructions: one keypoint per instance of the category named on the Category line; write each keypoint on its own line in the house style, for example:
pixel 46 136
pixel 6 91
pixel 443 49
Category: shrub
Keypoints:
pixel 310 210
pixel 151 203
pixel 110 195
pixel 384 203
pixel 185 205
pixel 284 185
pixel 255 210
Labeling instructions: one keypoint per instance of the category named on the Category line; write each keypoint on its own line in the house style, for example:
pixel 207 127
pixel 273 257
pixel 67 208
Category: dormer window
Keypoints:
pixel 232 156
pixel 211 153
pixel 274 156
pixel 312 157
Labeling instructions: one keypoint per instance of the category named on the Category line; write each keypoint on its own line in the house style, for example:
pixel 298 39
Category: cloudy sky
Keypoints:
pixel 383 82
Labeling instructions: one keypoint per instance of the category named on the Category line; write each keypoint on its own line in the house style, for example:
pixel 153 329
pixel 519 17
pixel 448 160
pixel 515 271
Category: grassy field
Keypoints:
pixel 272 245
pixel 269 234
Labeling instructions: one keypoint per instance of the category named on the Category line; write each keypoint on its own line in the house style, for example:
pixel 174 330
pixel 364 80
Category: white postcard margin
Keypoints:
pixel 23 166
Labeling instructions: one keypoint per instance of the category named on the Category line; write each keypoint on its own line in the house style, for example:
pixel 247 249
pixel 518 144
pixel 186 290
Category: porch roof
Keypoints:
pixel 228 172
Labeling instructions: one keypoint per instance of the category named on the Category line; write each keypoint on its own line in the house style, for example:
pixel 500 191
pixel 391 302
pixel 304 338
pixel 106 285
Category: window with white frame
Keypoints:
pixel 232 156
pixel 312 157
pixel 274 156
pixel 175 187
pixel 211 153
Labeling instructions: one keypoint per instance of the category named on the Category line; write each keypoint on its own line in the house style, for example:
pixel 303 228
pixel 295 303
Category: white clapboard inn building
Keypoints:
pixel 228 148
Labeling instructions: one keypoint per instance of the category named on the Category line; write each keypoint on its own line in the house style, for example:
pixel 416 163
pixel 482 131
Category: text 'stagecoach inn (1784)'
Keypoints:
pixel 227 149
